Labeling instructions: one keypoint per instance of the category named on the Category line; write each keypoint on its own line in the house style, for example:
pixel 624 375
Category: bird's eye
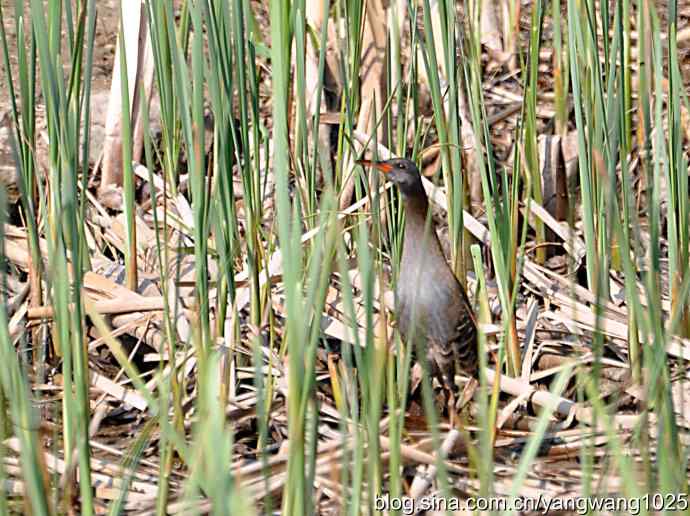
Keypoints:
pixel 401 165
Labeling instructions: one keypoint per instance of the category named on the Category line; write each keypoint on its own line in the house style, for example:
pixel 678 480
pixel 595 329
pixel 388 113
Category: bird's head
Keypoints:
pixel 402 172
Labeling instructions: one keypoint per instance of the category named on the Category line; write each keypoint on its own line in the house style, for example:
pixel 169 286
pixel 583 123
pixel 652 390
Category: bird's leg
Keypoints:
pixel 452 388
pixel 451 408
pixel 468 393
pixel 457 403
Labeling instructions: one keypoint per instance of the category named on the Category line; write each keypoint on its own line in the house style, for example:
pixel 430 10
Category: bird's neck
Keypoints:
pixel 420 232
pixel 416 213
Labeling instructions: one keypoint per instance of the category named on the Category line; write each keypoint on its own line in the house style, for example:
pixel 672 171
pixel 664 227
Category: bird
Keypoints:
pixel 432 310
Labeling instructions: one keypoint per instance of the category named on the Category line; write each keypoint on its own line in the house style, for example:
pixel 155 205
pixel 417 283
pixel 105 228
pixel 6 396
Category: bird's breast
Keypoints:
pixel 417 291
pixel 429 297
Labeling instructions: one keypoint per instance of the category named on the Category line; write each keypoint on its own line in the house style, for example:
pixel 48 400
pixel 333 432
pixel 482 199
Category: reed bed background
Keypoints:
pixel 198 319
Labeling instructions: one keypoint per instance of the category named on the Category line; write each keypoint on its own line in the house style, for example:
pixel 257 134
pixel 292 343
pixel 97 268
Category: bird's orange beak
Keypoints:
pixel 383 167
